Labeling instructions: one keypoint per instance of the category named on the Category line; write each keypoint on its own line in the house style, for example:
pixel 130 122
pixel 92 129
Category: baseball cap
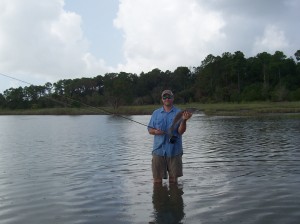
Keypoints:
pixel 167 91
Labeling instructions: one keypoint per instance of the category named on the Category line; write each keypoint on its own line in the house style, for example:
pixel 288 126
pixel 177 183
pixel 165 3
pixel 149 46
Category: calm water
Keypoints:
pixel 96 169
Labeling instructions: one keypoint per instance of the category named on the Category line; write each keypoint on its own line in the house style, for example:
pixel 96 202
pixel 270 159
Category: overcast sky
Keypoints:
pixel 49 40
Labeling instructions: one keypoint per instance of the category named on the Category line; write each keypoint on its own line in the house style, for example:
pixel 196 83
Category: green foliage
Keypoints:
pixel 253 92
pixel 294 95
pixel 297 55
pixel 2 101
pixel 227 78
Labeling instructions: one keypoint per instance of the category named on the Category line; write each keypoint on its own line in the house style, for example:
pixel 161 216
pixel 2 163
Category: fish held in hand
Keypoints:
pixel 178 118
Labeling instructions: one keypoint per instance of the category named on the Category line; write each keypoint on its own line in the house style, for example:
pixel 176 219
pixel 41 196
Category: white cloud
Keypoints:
pixel 67 28
pixel 167 34
pixel 42 41
pixel 39 38
pixel 273 39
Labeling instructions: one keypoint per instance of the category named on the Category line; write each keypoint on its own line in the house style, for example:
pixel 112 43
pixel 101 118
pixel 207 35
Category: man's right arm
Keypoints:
pixel 153 131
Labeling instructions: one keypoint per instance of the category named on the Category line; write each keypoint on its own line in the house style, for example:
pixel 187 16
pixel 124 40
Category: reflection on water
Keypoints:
pixel 168 203
pixel 242 170
pixel 97 169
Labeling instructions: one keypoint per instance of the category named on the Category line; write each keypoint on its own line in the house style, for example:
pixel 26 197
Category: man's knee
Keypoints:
pixel 157 180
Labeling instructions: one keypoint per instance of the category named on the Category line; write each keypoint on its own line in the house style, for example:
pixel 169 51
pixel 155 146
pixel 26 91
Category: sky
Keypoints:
pixel 49 40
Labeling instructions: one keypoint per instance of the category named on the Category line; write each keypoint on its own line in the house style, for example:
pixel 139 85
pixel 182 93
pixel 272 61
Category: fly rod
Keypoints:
pixel 177 120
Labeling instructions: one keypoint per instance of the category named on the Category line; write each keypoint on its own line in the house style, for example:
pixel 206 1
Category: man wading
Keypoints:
pixel 167 147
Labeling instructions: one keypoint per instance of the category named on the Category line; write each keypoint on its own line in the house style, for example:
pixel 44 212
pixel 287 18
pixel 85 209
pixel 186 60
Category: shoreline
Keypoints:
pixel 212 109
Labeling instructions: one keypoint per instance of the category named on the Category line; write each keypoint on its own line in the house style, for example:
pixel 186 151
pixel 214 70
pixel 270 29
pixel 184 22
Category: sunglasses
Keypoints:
pixel 167 97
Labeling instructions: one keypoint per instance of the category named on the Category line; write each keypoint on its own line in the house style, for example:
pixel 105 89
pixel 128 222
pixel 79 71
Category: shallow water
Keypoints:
pixel 96 169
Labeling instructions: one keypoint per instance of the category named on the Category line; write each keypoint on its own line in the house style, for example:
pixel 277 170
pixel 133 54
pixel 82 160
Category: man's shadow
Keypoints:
pixel 168 203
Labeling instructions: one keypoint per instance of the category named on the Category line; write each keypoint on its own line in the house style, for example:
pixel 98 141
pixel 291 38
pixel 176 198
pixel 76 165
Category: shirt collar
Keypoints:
pixel 162 110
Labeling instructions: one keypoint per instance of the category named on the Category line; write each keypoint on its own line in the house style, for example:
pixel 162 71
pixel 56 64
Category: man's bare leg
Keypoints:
pixel 157 180
pixel 172 180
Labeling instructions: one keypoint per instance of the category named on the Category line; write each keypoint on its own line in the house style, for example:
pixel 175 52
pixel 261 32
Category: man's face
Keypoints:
pixel 167 100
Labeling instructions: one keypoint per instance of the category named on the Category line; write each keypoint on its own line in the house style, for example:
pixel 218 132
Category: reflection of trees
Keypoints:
pixel 168 204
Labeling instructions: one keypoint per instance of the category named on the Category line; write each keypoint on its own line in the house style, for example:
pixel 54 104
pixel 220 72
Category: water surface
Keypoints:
pixel 96 169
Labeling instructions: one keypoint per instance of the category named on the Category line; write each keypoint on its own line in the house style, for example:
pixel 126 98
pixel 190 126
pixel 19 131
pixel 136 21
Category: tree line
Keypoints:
pixel 227 78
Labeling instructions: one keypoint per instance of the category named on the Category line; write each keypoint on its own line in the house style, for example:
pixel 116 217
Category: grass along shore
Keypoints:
pixel 211 109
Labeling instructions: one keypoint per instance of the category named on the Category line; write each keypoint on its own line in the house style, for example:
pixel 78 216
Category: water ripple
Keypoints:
pixel 97 169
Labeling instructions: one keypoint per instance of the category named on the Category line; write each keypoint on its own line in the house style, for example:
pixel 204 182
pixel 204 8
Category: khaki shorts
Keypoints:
pixel 162 165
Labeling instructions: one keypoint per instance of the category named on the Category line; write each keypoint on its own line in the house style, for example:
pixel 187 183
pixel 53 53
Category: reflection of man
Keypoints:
pixel 168 204
pixel 167 154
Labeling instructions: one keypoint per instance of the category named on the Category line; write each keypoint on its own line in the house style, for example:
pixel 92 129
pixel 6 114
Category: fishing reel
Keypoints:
pixel 173 139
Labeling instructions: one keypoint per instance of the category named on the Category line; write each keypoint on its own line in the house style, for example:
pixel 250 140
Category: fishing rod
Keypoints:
pixel 177 119
pixel 8 76
pixel 77 101
pixel 89 106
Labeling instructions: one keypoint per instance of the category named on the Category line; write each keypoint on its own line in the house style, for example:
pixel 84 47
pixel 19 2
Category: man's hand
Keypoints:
pixel 158 132
pixel 186 115
pixel 153 131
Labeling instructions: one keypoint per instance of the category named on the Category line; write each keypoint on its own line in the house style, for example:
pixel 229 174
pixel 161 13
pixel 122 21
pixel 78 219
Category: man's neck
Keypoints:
pixel 168 108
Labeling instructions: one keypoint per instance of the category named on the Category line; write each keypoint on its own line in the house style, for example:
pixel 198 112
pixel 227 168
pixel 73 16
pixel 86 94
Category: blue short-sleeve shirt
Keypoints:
pixel 163 120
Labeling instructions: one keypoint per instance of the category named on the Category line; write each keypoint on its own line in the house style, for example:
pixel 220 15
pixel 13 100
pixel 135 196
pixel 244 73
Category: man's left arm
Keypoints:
pixel 182 127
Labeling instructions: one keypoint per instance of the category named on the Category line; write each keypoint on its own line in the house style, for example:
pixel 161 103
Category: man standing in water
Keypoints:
pixel 167 147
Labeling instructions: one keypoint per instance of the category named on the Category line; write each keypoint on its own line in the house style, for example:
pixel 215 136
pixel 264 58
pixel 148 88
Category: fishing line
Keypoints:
pixel 172 138
pixel 8 76
pixel 76 101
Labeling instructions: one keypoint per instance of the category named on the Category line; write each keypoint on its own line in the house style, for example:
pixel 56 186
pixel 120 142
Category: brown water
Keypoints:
pixel 96 169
